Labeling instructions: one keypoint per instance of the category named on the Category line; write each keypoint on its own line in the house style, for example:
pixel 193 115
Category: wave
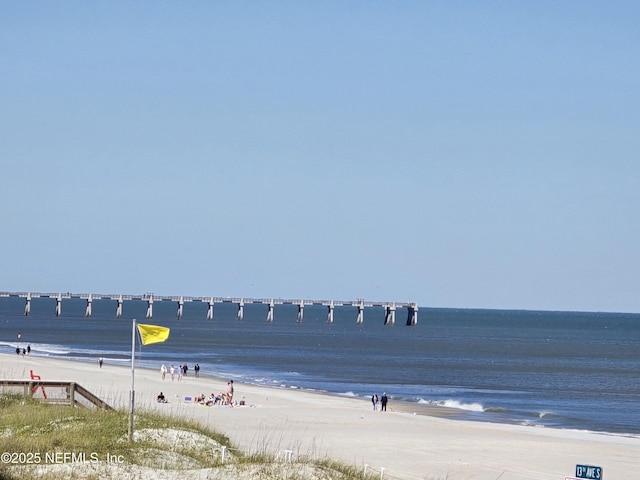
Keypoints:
pixel 529 423
pixel 39 348
pixel 470 407
pixel 50 349
pixel 349 394
pixel 546 414
pixel 458 405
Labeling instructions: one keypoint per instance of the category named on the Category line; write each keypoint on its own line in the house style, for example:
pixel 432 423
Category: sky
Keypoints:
pixel 453 154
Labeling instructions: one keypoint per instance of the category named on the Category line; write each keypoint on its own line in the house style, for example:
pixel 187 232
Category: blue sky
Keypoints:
pixel 455 154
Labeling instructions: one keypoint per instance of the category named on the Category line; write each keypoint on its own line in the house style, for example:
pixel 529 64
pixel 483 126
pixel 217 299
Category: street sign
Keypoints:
pixel 588 471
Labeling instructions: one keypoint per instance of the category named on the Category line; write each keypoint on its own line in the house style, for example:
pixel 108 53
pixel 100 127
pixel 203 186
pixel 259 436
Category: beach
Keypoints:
pixel 407 441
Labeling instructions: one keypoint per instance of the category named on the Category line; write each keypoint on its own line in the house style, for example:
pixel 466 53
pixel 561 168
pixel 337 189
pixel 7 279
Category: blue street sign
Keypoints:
pixel 589 471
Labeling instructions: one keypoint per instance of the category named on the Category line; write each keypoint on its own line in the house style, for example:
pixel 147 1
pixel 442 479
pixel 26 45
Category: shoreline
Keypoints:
pixel 399 405
pixel 410 441
pixel 415 408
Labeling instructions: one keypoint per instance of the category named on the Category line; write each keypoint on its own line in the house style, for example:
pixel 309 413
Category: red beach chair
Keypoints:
pixel 35 389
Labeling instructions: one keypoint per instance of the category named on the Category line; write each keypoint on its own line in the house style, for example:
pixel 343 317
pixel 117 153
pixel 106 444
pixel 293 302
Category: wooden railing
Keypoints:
pixel 65 393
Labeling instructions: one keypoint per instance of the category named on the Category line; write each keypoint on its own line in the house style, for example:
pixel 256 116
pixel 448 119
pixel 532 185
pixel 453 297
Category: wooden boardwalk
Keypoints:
pixel 56 392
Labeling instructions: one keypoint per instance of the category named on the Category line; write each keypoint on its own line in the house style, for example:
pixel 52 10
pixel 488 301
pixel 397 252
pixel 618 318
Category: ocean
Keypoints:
pixel 569 370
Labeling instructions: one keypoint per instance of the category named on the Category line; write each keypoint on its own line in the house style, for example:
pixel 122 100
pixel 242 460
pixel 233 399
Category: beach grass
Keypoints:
pixel 57 442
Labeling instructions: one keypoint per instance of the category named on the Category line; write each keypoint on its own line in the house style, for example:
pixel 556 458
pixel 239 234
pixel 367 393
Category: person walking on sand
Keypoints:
pixel 383 402
pixel 172 372
pixel 374 400
pixel 163 371
pixel 197 370
pixel 100 360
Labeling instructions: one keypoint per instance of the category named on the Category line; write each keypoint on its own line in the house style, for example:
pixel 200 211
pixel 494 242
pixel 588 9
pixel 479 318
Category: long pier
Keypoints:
pixel 150 298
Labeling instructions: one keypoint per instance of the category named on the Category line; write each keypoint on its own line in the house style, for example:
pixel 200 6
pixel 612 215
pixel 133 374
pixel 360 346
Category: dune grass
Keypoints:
pixel 38 435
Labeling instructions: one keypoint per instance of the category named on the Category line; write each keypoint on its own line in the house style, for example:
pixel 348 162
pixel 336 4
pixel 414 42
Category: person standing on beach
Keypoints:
pixel 228 394
pixel 196 369
pixel 100 360
pixel 374 400
pixel 383 402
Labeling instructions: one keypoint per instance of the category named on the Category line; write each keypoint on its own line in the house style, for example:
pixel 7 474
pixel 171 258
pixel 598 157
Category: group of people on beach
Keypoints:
pixel 179 371
pixel 224 398
pixel 383 401
pixel 25 351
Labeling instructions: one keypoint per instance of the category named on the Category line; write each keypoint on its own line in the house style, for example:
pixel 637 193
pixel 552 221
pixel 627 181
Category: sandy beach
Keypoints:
pixel 406 443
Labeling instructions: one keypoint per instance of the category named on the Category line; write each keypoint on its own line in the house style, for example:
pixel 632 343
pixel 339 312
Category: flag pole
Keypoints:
pixel 132 395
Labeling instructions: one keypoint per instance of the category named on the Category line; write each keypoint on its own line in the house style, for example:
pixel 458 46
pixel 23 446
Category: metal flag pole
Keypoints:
pixel 132 395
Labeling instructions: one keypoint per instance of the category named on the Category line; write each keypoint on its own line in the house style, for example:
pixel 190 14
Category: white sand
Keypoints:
pixel 406 445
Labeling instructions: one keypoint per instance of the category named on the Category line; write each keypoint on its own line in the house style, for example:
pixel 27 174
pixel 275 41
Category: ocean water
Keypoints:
pixel 547 369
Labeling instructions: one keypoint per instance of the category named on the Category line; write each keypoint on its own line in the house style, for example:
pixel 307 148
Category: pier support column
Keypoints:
pixel 87 312
pixel 412 316
pixel 270 312
pixel 330 314
pixel 27 307
pixel 390 314
pixel 210 310
pixel 300 312
pixel 360 317
pixel 58 305
pixel 179 312
pixel 241 309
pixel 119 307
pixel 149 307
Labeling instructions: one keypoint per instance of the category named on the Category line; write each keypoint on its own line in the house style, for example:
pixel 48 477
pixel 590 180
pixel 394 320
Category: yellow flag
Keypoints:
pixel 152 333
